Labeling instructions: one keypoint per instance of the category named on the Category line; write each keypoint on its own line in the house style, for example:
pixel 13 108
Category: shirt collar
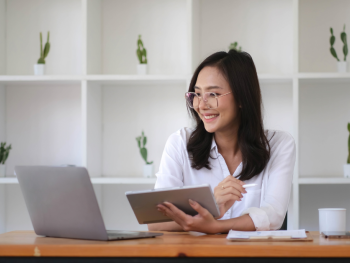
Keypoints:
pixel 214 146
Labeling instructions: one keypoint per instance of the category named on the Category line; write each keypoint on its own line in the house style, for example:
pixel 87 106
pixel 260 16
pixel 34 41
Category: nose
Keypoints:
pixel 202 105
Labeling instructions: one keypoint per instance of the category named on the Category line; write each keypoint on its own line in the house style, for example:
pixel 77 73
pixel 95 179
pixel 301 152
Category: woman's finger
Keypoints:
pixel 201 210
pixel 230 190
pixel 232 179
pixel 174 213
pixel 229 197
pixel 234 185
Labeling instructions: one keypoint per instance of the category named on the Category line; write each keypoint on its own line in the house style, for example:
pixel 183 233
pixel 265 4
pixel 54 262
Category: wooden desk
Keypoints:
pixel 26 245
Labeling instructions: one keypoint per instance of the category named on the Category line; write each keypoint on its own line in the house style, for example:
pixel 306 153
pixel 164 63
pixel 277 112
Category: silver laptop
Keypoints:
pixel 62 203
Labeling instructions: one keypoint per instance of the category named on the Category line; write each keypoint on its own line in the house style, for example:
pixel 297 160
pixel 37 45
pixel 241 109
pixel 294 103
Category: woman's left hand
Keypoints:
pixel 202 222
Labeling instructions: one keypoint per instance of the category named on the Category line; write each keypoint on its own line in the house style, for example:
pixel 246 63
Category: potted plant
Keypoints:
pixel 39 68
pixel 235 46
pixel 4 154
pixel 347 166
pixel 148 167
pixel 342 65
pixel 142 56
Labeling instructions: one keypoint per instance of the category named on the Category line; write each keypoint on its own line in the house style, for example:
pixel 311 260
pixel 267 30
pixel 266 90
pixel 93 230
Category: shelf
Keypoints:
pixel 137 79
pixel 122 79
pixel 99 180
pixel 324 180
pixel 324 77
pixel 46 79
pixel 123 180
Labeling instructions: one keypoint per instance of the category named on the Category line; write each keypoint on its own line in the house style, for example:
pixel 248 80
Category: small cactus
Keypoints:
pixel 345 44
pixel 234 46
pixel 4 152
pixel 141 142
pixel 343 39
pixel 141 51
pixel 348 161
pixel 332 40
pixel 45 52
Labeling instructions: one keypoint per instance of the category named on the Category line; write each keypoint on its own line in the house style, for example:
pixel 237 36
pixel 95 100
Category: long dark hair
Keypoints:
pixel 239 70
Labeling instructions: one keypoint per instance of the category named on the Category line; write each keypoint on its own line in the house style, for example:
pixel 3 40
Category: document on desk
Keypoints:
pixel 279 234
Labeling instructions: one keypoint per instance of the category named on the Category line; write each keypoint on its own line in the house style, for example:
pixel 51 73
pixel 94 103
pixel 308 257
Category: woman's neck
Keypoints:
pixel 227 142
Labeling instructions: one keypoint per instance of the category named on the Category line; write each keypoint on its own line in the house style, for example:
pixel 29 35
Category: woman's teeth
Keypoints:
pixel 210 116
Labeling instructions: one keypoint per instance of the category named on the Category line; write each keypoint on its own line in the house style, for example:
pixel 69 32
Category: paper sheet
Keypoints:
pixel 247 234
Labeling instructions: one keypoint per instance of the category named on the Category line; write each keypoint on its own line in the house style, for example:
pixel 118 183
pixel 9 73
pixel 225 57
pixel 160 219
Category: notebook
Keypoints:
pixel 279 235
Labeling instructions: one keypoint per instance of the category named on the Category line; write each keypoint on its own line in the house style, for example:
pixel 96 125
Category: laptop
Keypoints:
pixel 61 203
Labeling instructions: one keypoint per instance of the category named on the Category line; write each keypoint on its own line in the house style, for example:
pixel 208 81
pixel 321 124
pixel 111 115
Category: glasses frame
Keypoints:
pixel 200 99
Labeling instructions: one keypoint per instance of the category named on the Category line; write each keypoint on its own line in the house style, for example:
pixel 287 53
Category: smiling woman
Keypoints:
pixel 228 148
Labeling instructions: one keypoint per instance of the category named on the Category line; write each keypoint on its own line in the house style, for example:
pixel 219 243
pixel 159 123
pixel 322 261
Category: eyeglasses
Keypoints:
pixel 210 99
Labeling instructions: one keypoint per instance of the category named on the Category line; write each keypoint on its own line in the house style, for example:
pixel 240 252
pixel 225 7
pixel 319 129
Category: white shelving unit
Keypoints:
pixel 91 105
pixel 99 180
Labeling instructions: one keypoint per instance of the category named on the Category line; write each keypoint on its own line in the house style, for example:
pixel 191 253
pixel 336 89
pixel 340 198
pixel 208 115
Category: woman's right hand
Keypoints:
pixel 227 192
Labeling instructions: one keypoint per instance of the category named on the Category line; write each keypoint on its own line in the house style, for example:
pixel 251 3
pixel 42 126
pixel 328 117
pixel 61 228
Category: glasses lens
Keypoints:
pixel 191 99
pixel 210 100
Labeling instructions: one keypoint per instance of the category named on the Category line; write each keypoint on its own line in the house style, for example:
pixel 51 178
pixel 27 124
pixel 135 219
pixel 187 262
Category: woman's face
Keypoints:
pixel 225 116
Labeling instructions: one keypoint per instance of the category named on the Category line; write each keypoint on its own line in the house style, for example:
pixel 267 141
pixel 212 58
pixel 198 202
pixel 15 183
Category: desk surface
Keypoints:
pixel 27 243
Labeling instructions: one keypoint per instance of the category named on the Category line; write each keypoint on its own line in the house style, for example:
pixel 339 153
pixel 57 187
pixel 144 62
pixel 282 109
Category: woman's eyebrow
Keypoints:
pixel 209 88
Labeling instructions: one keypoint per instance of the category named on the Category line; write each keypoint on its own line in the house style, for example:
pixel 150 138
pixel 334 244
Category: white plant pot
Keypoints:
pixel 141 69
pixel 342 66
pixel 2 170
pixel 148 170
pixel 39 69
pixel 347 170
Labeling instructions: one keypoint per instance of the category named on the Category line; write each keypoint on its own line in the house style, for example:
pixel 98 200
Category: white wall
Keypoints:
pixel 314 197
pixel 278 106
pixel 94 36
pixel 26 19
pixel 162 25
pixel 127 110
pixel 315 19
pixel 2 37
pixel 263 29
pixel 43 125
pixel 2 113
pixel 324 115
pixel 94 131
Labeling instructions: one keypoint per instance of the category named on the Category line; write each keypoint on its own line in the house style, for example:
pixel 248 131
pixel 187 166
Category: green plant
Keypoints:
pixel 348 161
pixel 234 46
pixel 4 152
pixel 345 44
pixel 141 51
pixel 45 52
pixel 141 142
pixel 343 39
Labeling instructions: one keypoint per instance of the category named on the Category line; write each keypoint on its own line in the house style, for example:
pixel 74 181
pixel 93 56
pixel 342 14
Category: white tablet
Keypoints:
pixel 144 203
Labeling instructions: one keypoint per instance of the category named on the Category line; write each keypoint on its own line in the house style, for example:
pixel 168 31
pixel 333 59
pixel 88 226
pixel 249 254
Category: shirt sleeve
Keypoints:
pixel 275 201
pixel 170 172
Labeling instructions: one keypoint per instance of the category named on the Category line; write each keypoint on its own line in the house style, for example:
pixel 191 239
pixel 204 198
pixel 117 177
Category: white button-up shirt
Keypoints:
pixel 266 203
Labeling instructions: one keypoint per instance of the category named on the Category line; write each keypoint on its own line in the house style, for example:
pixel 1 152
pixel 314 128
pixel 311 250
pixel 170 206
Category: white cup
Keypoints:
pixel 332 219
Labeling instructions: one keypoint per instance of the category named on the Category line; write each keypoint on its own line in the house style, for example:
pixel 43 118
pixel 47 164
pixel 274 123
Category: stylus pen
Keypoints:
pixel 248 185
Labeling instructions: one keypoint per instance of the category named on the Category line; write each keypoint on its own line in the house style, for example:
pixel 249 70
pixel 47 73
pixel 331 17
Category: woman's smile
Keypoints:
pixel 209 117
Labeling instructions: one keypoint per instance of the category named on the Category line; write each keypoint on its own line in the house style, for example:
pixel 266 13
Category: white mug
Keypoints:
pixel 332 219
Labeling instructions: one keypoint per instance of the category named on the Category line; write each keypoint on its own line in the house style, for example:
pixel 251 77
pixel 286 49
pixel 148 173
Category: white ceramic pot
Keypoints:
pixel 342 66
pixel 148 170
pixel 39 69
pixel 347 170
pixel 141 69
pixel 332 219
pixel 2 170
